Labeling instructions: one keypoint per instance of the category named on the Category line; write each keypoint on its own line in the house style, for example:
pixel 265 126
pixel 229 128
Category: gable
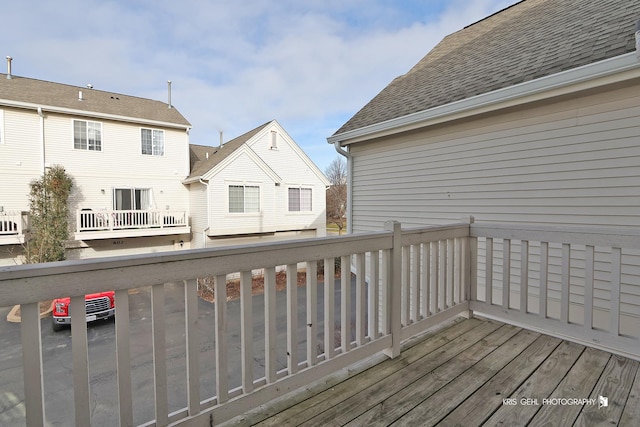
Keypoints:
pixel 525 42
pixel 286 157
pixel 247 155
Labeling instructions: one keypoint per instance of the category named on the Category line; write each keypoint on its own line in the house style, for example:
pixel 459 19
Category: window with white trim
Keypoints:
pixel 244 198
pixel 130 199
pixel 300 199
pixel 152 142
pixel 87 135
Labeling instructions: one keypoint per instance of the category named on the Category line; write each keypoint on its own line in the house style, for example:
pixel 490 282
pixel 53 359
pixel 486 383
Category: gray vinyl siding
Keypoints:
pixel 570 162
pixel 557 164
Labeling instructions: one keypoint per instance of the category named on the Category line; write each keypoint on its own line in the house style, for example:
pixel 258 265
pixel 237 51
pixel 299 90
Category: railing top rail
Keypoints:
pixel 38 282
pixel 432 233
pixel 595 236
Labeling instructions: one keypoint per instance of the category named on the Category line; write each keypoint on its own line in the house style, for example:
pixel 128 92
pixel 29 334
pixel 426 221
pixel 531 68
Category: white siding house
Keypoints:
pixel 529 116
pixel 127 157
pixel 260 186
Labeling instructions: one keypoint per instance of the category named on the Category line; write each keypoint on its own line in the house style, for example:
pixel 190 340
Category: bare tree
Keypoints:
pixel 336 172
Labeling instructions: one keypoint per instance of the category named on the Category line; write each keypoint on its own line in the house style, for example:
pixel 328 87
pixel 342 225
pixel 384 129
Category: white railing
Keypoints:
pixel 11 223
pixel 577 283
pixel 109 220
pixel 399 284
pixel 12 227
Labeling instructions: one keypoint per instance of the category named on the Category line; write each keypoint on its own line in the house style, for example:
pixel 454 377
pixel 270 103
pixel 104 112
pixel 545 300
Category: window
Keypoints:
pixel 87 135
pixel 152 142
pixel 274 140
pixel 129 199
pixel 300 200
pixel 244 198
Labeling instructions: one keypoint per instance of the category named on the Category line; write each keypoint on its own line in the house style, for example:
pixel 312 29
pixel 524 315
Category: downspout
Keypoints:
pixel 205 238
pixel 349 157
pixel 42 147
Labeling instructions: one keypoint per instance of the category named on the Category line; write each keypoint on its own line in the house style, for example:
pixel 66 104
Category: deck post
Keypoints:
pixel 394 272
pixel 469 267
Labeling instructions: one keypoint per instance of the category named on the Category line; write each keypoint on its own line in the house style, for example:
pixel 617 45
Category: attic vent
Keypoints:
pixel 274 140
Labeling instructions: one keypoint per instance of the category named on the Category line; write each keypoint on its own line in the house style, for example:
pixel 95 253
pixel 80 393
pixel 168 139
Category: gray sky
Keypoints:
pixel 309 64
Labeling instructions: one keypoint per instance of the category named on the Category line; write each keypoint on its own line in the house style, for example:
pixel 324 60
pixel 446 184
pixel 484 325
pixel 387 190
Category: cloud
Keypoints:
pixel 235 65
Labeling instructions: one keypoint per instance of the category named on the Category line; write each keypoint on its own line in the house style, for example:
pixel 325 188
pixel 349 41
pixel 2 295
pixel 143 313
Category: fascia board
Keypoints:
pixel 244 149
pixel 612 70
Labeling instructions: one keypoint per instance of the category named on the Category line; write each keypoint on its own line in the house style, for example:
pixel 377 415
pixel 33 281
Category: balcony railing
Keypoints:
pixel 99 224
pixel 579 284
pixel 12 226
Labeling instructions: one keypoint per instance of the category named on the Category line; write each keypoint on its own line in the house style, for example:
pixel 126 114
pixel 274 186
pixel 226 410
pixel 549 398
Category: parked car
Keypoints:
pixel 99 306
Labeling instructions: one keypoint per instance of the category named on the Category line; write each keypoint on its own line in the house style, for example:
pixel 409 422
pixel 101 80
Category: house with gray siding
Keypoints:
pixel 529 116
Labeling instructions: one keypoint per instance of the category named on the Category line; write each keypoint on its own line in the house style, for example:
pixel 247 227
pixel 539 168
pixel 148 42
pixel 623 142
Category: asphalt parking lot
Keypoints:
pixel 56 350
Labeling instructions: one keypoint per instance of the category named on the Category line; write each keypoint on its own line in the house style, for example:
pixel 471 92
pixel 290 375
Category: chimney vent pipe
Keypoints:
pixel 9 77
pixel 80 96
pixel 220 139
pixel 169 92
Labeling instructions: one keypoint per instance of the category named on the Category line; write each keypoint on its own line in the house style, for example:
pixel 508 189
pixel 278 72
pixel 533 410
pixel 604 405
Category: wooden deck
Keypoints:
pixel 463 375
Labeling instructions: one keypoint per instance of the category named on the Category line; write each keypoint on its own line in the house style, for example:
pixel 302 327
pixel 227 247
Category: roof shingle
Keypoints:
pixel 526 41
pixel 58 95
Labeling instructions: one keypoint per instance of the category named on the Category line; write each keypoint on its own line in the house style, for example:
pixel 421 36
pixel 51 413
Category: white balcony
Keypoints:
pixel 12 227
pixel 110 224
pixel 206 367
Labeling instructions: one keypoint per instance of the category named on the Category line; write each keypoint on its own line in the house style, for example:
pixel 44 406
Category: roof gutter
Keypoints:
pixel 608 71
pixel 349 157
pixel 85 113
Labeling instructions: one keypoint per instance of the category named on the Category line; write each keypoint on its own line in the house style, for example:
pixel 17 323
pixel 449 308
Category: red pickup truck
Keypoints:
pixel 99 306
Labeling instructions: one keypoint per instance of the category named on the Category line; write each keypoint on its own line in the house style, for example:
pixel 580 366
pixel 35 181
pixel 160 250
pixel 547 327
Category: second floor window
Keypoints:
pixel 152 142
pixel 244 198
pixel 87 135
pixel 300 200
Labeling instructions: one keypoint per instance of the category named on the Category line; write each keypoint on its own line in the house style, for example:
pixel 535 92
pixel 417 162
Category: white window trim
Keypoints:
pixel 152 154
pixel 243 184
pixel 300 187
pixel 73 135
pixel 151 200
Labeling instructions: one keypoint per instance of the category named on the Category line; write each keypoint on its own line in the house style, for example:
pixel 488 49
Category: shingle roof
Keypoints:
pixel 43 93
pixel 529 40
pixel 201 163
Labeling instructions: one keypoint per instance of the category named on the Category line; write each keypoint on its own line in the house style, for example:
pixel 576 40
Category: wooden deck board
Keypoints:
pixel 411 395
pixel 460 376
pixel 537 386
pixel 325 400
pixel 615 383
pixel 484 402
pixel 344 412
pixel 631 413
